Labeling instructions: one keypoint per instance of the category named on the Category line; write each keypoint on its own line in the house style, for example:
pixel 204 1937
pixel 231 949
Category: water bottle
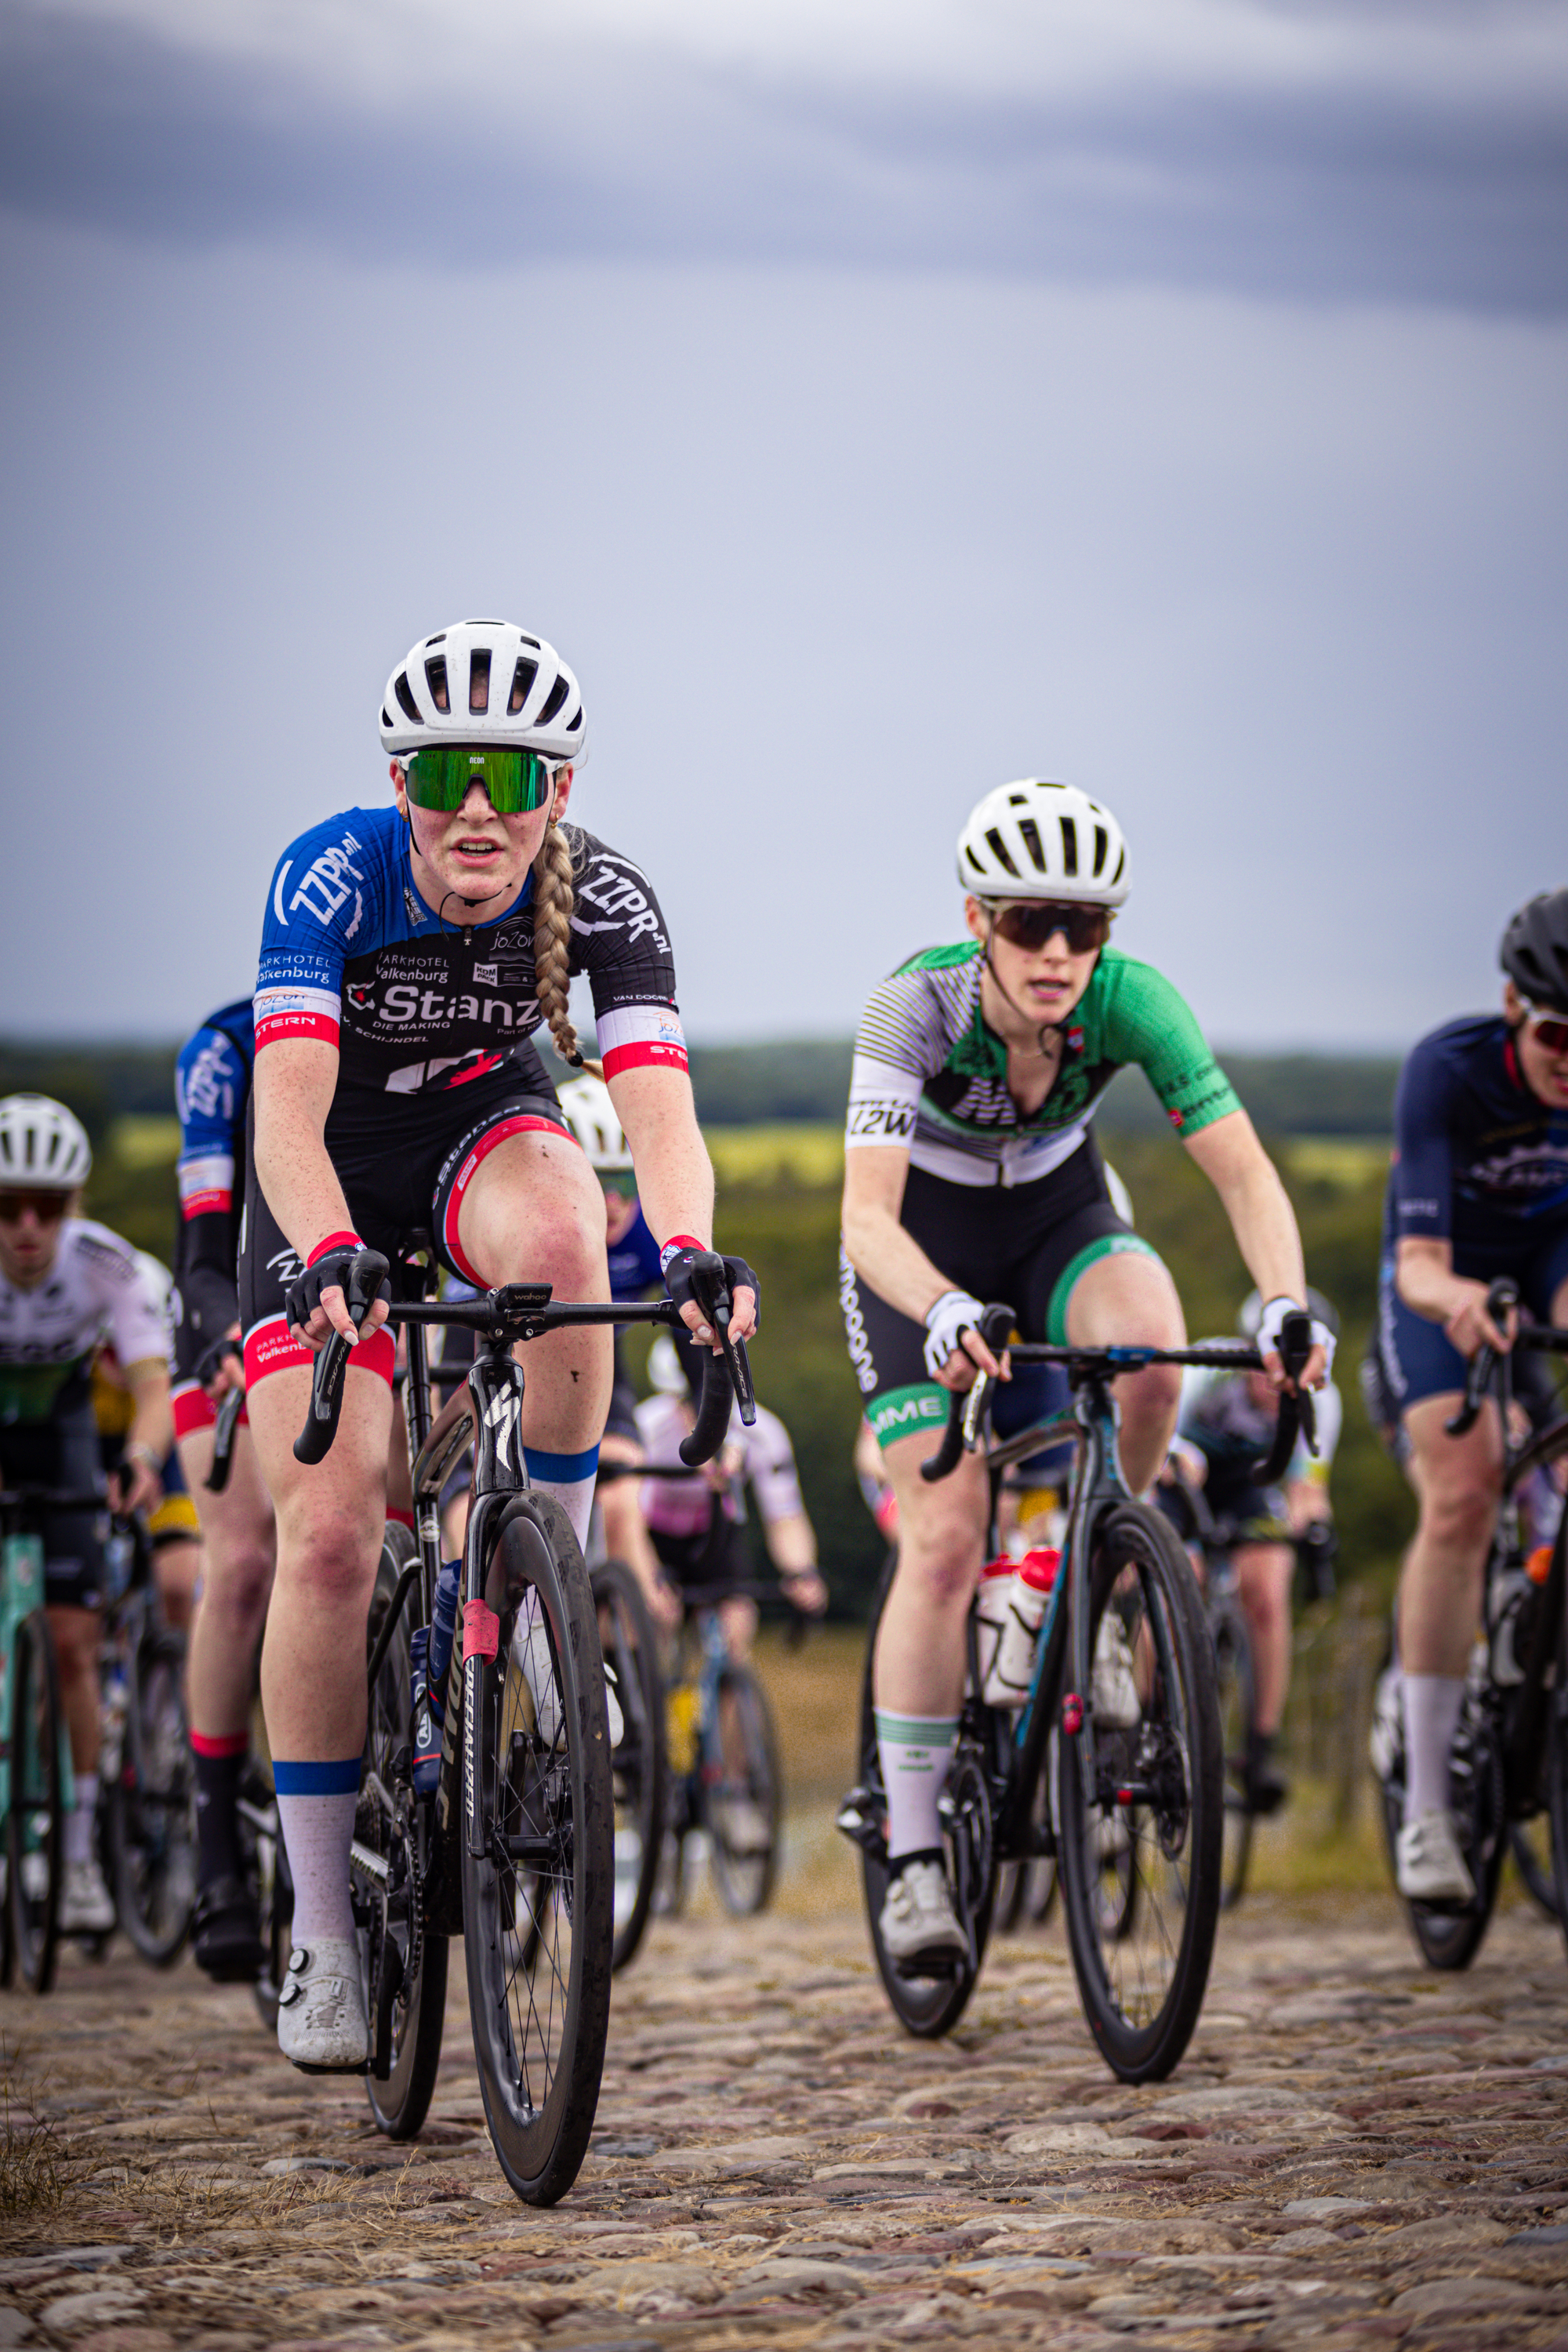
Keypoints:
pixel 427 1733
pixel 443 1628
pixel 992 1602
pixel 1020 1600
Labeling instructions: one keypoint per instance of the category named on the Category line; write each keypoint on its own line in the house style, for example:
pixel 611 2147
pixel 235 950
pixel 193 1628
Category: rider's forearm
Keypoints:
pixel 792 1543
pixel 670 1159
pixel 295 1082
pixel 883 1255
pixel 1425 1279
pixel 152 1431
pixel 1257 1204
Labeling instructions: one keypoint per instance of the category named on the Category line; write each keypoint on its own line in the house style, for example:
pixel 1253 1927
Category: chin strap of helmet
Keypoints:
pixel 1045 1027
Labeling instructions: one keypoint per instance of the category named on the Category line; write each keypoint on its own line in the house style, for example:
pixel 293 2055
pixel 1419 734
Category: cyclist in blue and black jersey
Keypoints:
pixel 972 1173
pixel 1478 1188
pixel 408 954
pixel 212 1096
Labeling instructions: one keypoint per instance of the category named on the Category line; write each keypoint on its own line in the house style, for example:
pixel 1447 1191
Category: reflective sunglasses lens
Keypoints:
pixel 440 775
pixel 48 1207
pixel 1552 1033
pixel 1030 927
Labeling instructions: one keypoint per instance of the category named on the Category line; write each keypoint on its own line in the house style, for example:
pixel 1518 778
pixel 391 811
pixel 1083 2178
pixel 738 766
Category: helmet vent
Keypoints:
pixel 1101 849
pixel 435 679
pixel 522 679
pixel 438 639
pixel 405 693
pixel 1070 845
pixel 1121 865
pixel 575 721
pixel 552 702
pixel 1001 853
pixel 1030 833
pixel 387 719
pixel 480 679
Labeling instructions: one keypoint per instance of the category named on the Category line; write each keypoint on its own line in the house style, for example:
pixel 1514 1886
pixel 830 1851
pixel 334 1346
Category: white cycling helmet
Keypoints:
pixel 664 1371
pixel 1039 840
pixel 590 1116
pixel 42 1144
pixel 484 682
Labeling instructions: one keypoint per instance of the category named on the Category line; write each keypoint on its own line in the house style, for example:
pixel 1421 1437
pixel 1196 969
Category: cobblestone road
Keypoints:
pixel 1353 2153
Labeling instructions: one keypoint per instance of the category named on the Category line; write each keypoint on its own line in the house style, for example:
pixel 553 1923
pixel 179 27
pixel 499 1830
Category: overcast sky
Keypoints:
pixel 872 402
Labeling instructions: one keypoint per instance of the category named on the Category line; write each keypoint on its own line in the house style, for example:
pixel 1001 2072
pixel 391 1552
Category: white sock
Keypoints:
pixel 570 1478
pixel 916 1752
pixel 316 1812
pixel 79 1825
pixel 1432 1703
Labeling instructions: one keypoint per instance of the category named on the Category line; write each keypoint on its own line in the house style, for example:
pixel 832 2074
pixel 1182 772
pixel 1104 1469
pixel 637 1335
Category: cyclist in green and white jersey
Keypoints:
pixel 972 1173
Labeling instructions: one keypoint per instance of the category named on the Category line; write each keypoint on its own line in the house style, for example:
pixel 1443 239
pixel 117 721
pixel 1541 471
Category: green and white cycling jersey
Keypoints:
pixel 1220 1417
pixel 95 1290
pixel 930 1077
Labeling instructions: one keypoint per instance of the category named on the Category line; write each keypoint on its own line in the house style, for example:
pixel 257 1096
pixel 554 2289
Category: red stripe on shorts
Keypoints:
pixel 503 1128
pixel 270 1347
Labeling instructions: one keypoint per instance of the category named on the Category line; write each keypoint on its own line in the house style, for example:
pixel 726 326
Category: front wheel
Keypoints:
pixel 151 1849
pixel 631 1650
pixel 1141 1800
pixel 1233 1675
pixel 539 1899
pixel 1449 1938
pixel 35 1834
pixel 405 1962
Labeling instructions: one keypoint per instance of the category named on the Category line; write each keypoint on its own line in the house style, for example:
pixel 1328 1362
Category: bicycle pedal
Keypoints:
pixel 928 1966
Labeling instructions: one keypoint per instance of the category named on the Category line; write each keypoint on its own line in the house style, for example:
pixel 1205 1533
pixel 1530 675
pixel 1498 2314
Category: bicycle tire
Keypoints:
pixel 405 1962
pixel 630 1645
pixel 744 1876
pixel 152 1854
pixel 926 2007
pixel 545 1777
pixel 1143 1986
pixel 1557 1768
pixel 35 1836
pixel 1237 1690
pixel 1007 1907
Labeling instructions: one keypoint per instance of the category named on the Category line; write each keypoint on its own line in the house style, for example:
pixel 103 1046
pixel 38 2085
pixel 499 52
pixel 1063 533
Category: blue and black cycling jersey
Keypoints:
pixel 633 1262
pixel 211 1092
pixel 1479 1159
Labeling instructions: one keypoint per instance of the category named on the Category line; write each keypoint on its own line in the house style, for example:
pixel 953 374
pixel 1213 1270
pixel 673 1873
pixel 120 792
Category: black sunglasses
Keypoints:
pixel 1030 922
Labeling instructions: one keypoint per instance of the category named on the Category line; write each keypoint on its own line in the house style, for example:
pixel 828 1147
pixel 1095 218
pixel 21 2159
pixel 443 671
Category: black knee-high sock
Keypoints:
pixel 219 1766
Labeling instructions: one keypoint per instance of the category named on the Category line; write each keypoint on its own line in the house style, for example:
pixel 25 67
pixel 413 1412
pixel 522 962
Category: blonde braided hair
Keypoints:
pixel 553 898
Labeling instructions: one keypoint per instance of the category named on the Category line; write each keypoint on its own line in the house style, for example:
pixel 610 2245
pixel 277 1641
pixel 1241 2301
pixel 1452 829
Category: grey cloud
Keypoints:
pixel 1355 188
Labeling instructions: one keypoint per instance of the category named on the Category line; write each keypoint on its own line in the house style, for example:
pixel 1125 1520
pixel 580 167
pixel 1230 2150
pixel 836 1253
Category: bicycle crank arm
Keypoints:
pixel 370 1866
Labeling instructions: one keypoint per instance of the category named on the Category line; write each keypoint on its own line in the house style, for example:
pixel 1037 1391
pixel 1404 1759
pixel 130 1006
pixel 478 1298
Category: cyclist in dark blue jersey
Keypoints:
pixel 408 953
pixel 212 1096
pixel 1479 1188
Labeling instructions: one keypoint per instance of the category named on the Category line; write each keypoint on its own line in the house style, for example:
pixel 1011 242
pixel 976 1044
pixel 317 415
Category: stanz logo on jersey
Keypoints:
pixel 404 1003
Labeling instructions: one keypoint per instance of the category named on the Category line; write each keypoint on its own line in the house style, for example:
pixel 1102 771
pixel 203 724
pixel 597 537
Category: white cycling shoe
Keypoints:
pixel 1428 1863
pixel 918 1927
pixel 1116 1704
pixel 321 2021
pixel 87 1907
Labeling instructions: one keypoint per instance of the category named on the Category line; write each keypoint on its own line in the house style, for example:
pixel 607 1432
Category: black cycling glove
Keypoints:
pixel 329 1268
pixel 209 1363
pixel 692 1275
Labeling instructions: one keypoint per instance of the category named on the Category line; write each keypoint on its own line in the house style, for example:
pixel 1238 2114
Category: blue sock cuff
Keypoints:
pixel 561 1469
pixel 330 1780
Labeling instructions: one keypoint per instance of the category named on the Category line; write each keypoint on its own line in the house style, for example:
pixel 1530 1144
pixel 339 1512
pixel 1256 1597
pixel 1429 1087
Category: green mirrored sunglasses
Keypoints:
pixel 440 774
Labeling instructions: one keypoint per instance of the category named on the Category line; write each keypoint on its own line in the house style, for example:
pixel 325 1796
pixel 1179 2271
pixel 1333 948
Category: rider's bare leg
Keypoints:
pixel 1129 1299
pixel 1457 1483
pixel 1263 1576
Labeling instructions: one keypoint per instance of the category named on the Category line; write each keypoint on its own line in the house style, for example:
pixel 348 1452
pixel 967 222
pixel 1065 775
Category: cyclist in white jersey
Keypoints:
pixel 66 1285
pixel 971 1174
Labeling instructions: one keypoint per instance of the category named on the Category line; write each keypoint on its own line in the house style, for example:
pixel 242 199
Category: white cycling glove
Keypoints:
pixel 953 1314
pixel 1272 1322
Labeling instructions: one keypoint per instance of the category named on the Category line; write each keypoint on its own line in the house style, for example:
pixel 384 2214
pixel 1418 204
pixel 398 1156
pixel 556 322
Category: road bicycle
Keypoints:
pixel 1121 1722
pixel 1508 1763
pixel 37 1787
pixel 724 1776
pixel 514 1851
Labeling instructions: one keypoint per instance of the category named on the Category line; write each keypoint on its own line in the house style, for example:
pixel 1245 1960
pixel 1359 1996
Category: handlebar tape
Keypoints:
pixel 367 1272
pixel 228 1414
pixel 965 1411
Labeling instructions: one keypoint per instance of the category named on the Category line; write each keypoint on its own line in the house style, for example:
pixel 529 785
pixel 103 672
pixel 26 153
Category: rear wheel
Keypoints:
pixel 539 1901
pixel 631 1649
pixel 1141 1802
pixel 1532 1843
pixel 741 1795
pixel 927 2006
pixel 1449 1939
pixel 151 1849
pixel 1233 1675
pixel 405 1963
pixel 34 1842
